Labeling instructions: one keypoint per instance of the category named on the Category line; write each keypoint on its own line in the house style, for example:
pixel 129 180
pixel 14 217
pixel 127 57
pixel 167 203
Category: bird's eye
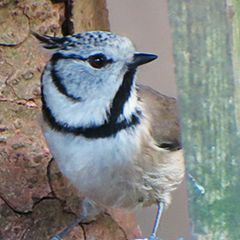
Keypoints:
pixel 98 61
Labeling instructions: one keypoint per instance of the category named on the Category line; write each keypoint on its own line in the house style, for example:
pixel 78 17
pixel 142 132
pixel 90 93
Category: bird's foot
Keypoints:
pixel 149 238
pixel 154 238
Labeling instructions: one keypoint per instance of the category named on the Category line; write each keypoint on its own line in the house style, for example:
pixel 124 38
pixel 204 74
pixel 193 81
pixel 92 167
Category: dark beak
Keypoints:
pixel 142 58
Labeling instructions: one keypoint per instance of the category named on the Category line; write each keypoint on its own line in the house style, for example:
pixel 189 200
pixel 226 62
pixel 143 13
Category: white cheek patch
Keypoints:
pixel 74 113
pixel 130 106
pixel 84 113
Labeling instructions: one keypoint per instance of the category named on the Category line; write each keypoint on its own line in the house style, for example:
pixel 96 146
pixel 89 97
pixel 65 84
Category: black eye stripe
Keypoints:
pixel 58 56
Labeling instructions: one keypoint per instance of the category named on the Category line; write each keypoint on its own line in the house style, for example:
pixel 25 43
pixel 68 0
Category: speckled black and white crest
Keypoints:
pixel 97 38
pixel 88 39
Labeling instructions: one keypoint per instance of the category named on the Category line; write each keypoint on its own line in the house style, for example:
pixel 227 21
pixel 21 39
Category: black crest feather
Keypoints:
pixel 48 41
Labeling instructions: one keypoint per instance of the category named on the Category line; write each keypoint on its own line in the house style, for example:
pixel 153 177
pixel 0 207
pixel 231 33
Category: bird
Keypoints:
pixel 116 140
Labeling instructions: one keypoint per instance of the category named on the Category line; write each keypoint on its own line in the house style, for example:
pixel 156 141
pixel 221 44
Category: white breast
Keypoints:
pixel 99 168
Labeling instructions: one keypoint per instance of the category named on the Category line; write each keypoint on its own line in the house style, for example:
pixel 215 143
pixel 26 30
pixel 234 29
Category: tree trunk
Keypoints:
pixel 36 200
pixel 206 53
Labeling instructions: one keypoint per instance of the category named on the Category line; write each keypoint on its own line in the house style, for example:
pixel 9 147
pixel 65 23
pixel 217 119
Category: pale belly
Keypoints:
pixel 99 168
pixel 116 172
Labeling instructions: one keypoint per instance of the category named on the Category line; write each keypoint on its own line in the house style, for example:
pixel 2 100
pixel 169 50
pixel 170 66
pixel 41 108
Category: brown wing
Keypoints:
pixel 164 115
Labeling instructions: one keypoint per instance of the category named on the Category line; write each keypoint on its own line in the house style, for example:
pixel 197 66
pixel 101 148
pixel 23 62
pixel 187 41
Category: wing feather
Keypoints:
pixel 163 113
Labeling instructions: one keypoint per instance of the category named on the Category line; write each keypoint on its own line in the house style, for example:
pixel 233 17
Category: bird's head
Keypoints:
pixel 92 64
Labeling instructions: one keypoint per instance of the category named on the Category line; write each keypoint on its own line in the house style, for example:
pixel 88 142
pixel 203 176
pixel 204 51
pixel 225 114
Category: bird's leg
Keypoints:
pixel 89 211
pixel 157 220
pixel 69 229
pixel 156 224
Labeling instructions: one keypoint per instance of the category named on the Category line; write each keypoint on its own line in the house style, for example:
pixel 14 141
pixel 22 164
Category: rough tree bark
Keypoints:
pixel 36 200
pixel 206 52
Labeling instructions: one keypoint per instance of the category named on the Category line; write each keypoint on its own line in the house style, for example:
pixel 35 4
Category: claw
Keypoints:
pixel 149 238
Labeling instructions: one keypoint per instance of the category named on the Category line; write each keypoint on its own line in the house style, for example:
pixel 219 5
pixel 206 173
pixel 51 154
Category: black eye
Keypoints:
pixel 98 61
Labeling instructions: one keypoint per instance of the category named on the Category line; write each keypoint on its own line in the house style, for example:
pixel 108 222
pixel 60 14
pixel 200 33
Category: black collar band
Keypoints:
pixel 108 129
